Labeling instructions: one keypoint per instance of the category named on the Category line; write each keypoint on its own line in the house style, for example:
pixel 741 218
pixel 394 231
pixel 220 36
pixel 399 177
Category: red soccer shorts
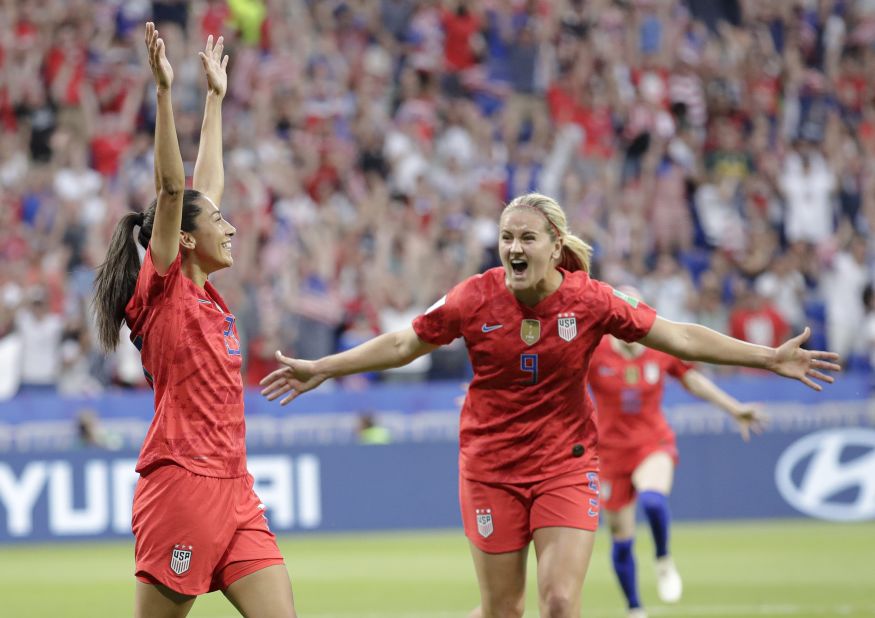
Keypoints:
pixel 501 517
pixel 196 534
pixel 618 465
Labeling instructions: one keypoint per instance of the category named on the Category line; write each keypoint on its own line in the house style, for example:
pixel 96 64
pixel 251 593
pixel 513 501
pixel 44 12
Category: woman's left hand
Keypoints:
pixel 792 361
pixel 750 420
pixel 214 66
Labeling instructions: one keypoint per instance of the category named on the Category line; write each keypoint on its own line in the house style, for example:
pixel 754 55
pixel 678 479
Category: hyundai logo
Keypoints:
pixel 830 474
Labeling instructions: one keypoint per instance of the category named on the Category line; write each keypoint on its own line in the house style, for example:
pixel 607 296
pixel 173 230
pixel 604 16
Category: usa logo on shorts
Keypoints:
pixel 180 559
pixel 484 522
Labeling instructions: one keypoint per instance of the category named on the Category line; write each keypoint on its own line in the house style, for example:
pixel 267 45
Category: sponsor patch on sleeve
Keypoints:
pixel 629 299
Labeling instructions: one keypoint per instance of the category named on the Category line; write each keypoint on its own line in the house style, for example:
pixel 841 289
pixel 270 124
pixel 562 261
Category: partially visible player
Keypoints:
pixel 528 461
pixel 638 453
pixel 198 525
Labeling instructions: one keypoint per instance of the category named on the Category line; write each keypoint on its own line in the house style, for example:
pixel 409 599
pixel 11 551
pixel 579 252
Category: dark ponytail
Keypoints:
pixel 117 277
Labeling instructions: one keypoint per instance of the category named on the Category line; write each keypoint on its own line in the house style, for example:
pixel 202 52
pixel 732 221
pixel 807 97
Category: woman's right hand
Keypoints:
pixel 296 377
pixel 161 69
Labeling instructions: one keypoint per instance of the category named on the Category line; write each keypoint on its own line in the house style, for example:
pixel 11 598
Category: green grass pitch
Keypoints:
pixel 738 570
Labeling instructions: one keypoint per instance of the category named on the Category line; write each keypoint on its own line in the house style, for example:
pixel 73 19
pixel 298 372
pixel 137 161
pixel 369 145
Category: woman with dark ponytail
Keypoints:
pixel 198 525
pixel 117 276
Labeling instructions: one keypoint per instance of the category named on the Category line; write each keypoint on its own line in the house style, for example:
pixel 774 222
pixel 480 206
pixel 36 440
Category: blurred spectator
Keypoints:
pixel 75 374
pixel 808 182
pixel 755 319
pixel 844 282
pixel 92 433
pixel 669 289
pixel 784 286
pixel 710 309
pixel 369 432
pixel 40 330
pixel 10 355
pixel 524 32
pixel 396 313
pixel 869 327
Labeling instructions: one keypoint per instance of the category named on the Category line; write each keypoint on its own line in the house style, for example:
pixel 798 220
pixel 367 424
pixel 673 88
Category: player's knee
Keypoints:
pixel 557 603
pixel 621 529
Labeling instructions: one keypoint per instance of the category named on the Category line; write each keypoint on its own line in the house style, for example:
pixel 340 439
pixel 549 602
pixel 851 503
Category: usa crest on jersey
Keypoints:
pixel 180 559
pixel 484 522
pixel 567 326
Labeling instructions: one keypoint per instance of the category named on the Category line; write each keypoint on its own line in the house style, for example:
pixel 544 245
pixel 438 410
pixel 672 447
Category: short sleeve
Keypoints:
pixel 152 288
pixel 442 322
pixel 676 367
pixel 625 317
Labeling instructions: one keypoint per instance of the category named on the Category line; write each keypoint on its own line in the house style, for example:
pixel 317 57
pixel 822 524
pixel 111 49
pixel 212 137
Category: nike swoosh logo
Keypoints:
pixel 488 329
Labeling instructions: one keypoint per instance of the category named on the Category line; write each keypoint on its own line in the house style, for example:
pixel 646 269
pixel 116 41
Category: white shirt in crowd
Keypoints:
pixel 40 341
pixel 10 365
pixel 808 194
pixel 393 319
pixel 786 292
pixel 843 289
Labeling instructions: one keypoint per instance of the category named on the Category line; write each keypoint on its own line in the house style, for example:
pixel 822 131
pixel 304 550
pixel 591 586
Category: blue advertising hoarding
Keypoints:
pixel 817 459
pixel 87 494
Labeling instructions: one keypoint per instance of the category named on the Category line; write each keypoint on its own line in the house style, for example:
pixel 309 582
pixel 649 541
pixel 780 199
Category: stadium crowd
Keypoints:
pixel 719 155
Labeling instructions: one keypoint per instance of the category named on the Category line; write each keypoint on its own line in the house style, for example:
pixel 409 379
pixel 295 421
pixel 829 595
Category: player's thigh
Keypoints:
pixel 266 593
pixel 654 473
pixel 502 581
pixel 622 522
pixel 563 560
pixel 182 527
pixel 159 601
pixel 495 516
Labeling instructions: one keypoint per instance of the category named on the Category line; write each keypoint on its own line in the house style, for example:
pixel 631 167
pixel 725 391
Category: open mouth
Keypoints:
pixel 227 246
pixel 519 266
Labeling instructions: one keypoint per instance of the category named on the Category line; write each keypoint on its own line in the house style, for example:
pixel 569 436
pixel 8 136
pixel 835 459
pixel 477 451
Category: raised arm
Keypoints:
pixel 169 173
pixel 747 417
pixel 209 173
pixel 698 343
pixel 383 352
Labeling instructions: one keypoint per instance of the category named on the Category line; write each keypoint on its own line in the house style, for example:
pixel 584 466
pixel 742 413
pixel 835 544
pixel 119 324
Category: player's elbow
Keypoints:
pixel 170 186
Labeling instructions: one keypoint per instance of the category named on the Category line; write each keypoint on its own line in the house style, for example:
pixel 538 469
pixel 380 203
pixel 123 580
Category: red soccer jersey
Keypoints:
pixel 191 357
pixel 526 416
pixel 628 396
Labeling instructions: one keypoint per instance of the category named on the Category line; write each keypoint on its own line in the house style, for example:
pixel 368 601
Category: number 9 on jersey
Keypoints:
pixel 529 364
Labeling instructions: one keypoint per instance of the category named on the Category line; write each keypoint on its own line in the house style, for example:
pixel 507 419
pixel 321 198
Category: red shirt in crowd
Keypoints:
pixel 458 33
pixel 596 122
pixel 526 416
pixel 762 325
pixel 55 60
pixel 192 359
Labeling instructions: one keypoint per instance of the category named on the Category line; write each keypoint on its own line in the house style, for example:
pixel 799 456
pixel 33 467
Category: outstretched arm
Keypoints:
pixel 747 417
pixel 169 172
pixel 209 173
pixel 384 352
pixel 694 342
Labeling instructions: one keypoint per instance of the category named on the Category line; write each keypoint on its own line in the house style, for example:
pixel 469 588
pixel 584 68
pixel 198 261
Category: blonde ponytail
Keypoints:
pixel 576 254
